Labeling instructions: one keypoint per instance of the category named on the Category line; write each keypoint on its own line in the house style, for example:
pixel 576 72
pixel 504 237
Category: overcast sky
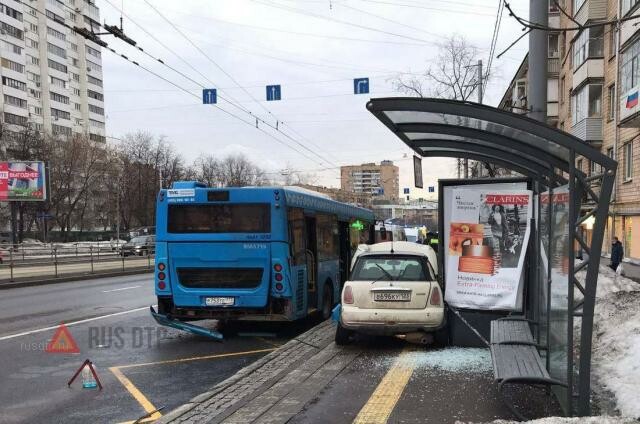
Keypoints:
pixel 313 49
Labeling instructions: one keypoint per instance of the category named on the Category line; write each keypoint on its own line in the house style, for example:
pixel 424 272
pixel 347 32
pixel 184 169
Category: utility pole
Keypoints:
pixel 538 52
pixel 480 87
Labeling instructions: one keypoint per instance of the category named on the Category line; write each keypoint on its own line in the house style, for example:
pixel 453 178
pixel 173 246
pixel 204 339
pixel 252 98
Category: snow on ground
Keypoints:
pixel 582 420
pixel 616 343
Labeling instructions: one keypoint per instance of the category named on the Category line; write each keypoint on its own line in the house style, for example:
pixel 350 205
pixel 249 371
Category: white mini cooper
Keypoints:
pixel 393 290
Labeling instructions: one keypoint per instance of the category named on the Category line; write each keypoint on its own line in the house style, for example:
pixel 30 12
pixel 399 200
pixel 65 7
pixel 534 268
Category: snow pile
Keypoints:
pixel 581 420
pixel 616 343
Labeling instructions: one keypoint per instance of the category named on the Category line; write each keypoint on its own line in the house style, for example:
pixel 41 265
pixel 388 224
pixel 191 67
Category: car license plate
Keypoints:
pixel 219 301
pixel 392 296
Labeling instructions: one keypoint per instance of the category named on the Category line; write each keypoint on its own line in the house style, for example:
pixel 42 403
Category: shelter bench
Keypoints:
pixel 515 357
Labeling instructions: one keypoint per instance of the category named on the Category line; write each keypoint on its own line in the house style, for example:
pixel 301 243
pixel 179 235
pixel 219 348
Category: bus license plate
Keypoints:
pixel 392 296
pixel 219 301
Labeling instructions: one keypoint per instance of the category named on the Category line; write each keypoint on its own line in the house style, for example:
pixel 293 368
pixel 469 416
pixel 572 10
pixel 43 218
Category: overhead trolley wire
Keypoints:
pixel 233 80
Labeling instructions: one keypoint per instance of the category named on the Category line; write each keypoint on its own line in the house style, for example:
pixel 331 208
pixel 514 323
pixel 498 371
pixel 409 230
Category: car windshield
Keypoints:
pixel 392 268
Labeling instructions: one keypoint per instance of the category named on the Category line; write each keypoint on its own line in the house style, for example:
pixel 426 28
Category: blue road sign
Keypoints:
pixel 273 92
pixel 432 189
pixel 406 191
pixel 360 85
pixel 209 96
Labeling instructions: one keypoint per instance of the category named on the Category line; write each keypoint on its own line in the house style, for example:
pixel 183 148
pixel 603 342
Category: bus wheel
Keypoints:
pixel 327 301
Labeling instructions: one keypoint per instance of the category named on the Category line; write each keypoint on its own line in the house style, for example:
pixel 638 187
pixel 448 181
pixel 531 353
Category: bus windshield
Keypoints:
pixel 220 218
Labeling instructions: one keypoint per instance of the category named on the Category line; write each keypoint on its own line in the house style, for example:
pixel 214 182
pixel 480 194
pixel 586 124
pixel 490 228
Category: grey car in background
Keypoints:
pixel 139 246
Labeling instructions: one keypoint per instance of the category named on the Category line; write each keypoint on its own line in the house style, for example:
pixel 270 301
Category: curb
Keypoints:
pixel 228 396
pixel 70 278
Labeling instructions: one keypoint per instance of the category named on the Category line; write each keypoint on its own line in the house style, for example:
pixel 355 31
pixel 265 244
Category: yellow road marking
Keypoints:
pixel 267 341
pixel 137 394
pixel 197 358
pixel 381 403
pixel 141 398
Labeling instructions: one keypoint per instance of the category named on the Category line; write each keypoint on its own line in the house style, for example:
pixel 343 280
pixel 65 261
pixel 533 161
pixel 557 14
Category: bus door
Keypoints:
pixel 312 261
pixel 345 250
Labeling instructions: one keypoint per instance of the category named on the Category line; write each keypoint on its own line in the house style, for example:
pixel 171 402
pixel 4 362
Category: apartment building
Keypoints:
pixel 51 76
pixel 381 181
pixel 598 84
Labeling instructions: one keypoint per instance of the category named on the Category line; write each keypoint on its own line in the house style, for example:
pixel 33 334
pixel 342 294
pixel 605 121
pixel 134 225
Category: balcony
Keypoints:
pixel 553 65
pixel 589 129
pixel 590 69
pixel 591 10
pixel 630 109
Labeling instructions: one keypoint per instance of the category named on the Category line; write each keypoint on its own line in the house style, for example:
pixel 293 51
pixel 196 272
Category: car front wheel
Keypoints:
pixel 343 336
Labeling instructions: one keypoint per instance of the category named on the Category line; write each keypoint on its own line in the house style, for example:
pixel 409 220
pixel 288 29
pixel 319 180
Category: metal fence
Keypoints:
pixel 25 262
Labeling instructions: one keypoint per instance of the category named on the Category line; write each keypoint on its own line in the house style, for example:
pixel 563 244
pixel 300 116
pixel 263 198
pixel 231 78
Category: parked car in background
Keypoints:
pixel 139 246
pixel 393 291
pixel 5 237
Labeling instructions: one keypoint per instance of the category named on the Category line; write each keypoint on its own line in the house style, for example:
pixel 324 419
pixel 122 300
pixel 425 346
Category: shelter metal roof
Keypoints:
pixel 449 128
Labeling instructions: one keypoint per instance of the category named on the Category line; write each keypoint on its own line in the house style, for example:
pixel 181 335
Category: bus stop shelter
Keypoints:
pixel 547 156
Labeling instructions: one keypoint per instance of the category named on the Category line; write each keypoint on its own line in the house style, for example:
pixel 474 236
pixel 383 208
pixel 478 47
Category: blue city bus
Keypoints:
pixel 253 253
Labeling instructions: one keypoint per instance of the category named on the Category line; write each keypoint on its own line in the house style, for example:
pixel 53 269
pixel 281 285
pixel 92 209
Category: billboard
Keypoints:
pixel 23 181
pixel 486 232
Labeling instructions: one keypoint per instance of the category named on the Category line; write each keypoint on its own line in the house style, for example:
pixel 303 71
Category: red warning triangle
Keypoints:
pixel 62 342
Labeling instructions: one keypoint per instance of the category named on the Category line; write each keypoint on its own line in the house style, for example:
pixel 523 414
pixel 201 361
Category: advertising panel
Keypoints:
pixel 486 238
pixel 23 181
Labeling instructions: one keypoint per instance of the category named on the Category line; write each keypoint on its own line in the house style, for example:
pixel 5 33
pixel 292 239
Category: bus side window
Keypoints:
pixel 296 236
pixel 328 243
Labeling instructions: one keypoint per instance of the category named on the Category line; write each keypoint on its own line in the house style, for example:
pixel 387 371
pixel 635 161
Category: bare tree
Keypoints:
pixel 453 75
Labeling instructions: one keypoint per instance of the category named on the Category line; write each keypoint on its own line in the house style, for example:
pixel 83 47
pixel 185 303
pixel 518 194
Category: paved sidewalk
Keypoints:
pixel 373 381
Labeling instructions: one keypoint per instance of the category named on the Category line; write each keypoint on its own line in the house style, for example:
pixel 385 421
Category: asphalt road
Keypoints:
pixel 142 366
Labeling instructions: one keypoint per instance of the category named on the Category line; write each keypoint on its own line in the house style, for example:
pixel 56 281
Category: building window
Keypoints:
pixel 33 60
pixel 76 77
pixel 10 118
pixel 611 102
pixel 14 66
pixel 32 43
pixel 94 80
pixel 12 47
pixel 93 52
pixel 93 66
pixel 627 5
pixel 74 47
pixel 589 44
pixel 579 165
pixel 60 114
pixel 586 102
pixel 34 93
pixel 95 95
pixel 96 109
pixel 55 17
pixel 76 91
pixel 613 40
pixel 37 110
pixel 58 51
pixel 577 4
pixel 12 31
pixel 15 101
pixel 57 66
pixel 33 27
pixel 595 168
pixel 630 68
pixel 59 98
pixel 562 90
pixel 553 45
pixel 57 34
pixel 77 106
pixel 96 137
pixel 628 161
pixel 10 12
pixel 10 82
pixel 58 82
pixel 610 152
pixel 95 123
pixel 60 130
pixel 33 77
